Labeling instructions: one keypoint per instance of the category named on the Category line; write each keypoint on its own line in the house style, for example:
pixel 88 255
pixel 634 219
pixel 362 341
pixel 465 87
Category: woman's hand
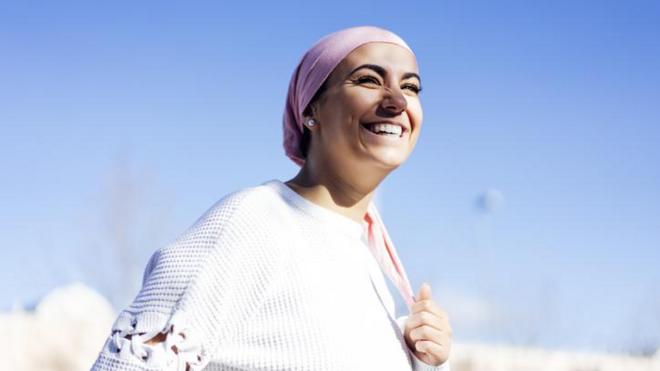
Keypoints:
pixel 427 330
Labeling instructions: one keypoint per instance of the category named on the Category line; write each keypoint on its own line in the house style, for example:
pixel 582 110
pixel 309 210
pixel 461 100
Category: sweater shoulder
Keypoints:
pixel 235 225
pixel 231 213
pixel 240 205
pixel 209 280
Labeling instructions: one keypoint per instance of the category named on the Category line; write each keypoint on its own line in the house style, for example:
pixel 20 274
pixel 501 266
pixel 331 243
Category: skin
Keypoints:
pixel 345 163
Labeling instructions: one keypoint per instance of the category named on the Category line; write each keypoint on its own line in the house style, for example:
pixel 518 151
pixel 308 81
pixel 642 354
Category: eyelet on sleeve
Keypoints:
pixel 180 350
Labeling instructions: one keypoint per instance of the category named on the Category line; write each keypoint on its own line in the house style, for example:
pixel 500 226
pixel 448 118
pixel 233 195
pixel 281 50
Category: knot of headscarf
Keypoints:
pixel 312 70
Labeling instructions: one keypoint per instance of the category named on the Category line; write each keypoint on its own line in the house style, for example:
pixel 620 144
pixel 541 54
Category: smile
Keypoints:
pixel 385 129
pixel 378 135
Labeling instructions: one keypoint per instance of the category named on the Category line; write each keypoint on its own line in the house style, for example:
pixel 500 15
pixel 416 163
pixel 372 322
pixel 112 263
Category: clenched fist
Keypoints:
pixel 427 330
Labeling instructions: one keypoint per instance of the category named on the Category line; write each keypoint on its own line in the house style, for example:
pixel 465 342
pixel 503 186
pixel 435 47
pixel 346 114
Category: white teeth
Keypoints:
pixel 388 128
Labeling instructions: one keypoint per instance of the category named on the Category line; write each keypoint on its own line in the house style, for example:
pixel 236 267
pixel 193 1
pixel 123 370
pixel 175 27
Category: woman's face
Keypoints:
pixel 370 113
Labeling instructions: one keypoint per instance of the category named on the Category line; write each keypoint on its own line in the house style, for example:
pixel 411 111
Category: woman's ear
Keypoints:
pixel 311 110
pixel 310 121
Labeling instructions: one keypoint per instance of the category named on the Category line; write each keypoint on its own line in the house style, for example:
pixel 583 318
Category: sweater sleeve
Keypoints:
pixel 418 364
pixel 195 293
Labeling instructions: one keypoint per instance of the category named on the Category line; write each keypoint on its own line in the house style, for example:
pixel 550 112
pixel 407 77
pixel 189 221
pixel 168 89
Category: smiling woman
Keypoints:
pixel 291 275
pixel 361 111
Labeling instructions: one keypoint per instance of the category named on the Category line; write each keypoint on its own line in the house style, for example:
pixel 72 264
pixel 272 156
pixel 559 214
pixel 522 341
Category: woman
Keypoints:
pixel 289 275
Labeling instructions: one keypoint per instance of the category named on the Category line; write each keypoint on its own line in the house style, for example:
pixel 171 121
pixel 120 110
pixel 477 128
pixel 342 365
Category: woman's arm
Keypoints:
pixel 196 293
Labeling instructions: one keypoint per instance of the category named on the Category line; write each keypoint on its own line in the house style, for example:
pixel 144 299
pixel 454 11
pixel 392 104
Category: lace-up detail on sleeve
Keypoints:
pixel 187 305
pixel 128 342
pixel 180 349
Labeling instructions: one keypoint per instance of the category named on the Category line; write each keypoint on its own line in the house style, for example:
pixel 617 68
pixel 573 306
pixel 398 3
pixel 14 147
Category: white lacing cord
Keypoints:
pixel 129 343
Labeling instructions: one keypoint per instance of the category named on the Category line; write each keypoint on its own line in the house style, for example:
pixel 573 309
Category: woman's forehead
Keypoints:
pixel 391 57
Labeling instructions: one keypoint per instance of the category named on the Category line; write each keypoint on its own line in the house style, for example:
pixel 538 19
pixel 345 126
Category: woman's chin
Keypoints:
pixel 389 152
pixel 389 158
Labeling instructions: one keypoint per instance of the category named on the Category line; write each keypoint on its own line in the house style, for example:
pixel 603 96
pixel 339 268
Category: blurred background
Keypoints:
pixel 531 203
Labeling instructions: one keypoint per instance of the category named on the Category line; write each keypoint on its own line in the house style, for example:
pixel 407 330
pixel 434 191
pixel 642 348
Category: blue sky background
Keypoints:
pixel 122 122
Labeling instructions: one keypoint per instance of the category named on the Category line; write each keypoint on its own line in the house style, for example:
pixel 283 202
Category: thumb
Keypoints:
pixel 424 292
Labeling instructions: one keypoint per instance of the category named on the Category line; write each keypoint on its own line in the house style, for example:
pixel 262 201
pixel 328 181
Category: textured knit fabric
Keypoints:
pixel 264 280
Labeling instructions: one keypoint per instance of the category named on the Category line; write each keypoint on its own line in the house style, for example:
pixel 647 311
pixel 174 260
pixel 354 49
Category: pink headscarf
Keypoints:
pixel 313 69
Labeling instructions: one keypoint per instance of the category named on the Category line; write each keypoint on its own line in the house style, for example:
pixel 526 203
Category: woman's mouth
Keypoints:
pixel 385 129
pixel 384 134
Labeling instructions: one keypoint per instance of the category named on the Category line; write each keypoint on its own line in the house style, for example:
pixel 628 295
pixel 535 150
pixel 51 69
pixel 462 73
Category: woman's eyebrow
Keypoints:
pixel 409 75
pixel 382 72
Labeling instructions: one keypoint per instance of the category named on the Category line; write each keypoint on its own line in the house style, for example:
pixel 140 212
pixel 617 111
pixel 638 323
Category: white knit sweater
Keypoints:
pixel 264 280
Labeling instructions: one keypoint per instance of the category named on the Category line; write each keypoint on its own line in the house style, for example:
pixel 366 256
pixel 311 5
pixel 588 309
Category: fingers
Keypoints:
pixel 429 347
pixel 432 353
pixel 429 319
pixel 424 292
pixel 427 329
pixel 427 333
pixel 428 305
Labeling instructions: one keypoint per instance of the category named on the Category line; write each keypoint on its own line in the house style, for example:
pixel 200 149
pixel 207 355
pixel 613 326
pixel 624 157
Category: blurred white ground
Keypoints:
pixel 69 326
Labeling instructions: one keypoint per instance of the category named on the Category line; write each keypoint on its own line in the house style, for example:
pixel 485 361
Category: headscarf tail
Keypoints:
pixel 383 249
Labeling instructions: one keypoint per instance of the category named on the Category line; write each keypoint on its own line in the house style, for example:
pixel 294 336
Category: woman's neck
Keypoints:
pixel 344 195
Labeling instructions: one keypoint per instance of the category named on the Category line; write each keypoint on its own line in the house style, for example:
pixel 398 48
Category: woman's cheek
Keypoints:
pixel 417 115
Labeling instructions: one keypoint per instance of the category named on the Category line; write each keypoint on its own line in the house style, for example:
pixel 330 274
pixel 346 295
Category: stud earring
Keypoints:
pixel 311 122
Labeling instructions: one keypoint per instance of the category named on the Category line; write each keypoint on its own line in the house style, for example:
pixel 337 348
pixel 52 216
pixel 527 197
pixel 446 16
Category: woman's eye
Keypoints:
pixel 416 89
pixel 371 79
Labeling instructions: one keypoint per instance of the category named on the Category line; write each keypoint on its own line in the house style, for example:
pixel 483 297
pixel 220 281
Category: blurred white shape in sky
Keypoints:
pixel 490 201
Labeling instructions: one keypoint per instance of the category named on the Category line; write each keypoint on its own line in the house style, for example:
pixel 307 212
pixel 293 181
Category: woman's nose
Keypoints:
pixel 394 101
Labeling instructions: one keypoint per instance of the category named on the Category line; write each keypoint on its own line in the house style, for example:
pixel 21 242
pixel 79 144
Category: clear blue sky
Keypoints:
pixel 167 107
